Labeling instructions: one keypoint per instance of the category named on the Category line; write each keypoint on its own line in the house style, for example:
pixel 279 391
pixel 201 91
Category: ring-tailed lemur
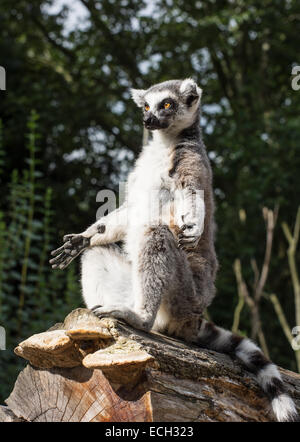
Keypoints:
pixel 164 278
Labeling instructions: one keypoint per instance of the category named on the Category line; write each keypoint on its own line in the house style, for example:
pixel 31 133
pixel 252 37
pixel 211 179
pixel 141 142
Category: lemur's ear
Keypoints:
pixel 138 96
pixel 191 92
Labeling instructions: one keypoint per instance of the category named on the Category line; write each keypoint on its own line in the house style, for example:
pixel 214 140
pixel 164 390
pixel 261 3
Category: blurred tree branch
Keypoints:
pixel 260 279
pixel 291 252
pixel 293 242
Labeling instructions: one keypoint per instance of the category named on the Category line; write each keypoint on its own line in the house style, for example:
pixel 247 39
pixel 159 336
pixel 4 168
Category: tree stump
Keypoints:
pixel 87 370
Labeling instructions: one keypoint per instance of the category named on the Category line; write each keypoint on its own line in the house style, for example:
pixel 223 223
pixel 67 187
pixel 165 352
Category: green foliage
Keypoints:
pixel 31 294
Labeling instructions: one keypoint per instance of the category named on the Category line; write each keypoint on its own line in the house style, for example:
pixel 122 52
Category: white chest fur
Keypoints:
pixel 150 182
pixel 149 186
pixel 153 165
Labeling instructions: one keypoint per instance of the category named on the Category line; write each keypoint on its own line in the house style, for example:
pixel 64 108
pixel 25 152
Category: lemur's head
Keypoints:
pixel 170 105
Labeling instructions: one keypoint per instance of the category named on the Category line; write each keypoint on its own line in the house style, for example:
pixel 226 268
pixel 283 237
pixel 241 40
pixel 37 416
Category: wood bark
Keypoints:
pixel 87 369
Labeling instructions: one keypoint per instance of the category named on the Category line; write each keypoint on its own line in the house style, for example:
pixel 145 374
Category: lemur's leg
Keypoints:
pixel 108 229
pixel 203 267
pixel 159 270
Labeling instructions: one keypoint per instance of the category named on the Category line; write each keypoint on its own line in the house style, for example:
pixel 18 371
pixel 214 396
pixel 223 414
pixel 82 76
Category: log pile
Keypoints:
pixel 87 369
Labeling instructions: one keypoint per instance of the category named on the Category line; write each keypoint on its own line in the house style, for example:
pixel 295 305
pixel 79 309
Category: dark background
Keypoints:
pixel 69 129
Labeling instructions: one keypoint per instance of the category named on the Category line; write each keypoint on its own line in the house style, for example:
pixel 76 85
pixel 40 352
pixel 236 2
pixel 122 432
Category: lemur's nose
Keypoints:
pixel 151 121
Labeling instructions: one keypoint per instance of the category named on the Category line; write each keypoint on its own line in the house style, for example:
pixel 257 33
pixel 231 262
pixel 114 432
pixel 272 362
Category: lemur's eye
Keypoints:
pixel 147 107
pixel 167 105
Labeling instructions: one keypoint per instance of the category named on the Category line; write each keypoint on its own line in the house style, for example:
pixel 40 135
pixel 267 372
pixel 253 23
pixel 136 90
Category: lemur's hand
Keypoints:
pixel 189 236
pixel 74 244
pixel 189 217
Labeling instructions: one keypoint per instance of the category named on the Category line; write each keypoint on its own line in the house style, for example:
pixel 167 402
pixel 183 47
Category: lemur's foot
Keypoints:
pixel 74 244
pixel 116 311
pixel 189 236
pixel 122 312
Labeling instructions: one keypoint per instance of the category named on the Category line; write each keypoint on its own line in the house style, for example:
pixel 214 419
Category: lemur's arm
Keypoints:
pixel 189 215
pixel 189 211
pixel 106 230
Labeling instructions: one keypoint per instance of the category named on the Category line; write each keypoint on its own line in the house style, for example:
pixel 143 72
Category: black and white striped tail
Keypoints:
pixel 216 338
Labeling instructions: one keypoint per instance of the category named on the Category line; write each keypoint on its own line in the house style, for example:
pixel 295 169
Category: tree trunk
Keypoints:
pixel 88 369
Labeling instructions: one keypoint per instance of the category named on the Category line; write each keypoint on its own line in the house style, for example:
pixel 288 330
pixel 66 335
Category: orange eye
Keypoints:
pixel 167 105
pixel 147 107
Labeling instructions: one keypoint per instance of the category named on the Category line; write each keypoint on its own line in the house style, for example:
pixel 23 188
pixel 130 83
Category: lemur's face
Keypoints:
pixel 171 104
